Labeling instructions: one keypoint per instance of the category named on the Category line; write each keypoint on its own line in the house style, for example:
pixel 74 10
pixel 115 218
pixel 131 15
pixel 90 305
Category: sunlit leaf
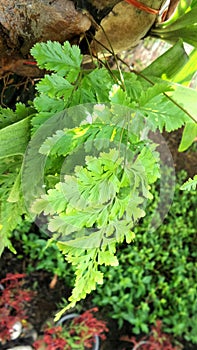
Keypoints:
pixel 188 137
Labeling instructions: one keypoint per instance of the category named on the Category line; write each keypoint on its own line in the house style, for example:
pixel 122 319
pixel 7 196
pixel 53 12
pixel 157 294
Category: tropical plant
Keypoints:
pixel 82 159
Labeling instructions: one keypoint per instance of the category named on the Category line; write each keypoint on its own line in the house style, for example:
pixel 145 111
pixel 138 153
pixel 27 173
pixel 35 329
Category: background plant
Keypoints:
pixel 156 276
pixel 38 256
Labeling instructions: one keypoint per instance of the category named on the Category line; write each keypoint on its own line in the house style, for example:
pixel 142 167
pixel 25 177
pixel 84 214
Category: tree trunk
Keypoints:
pixel 25 22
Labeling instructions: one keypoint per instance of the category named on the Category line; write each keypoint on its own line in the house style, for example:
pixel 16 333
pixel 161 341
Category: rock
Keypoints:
pixel 125 26
pixel 16 330
pixel 25 23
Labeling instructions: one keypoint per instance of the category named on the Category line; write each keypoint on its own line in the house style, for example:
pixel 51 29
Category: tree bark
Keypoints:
pixel 25 22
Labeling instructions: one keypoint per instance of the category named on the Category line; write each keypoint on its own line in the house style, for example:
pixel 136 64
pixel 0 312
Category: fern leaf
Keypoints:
pixel 55 86
pixel 189 185
pixel 162 113
pixel 153 91
pixel 63 59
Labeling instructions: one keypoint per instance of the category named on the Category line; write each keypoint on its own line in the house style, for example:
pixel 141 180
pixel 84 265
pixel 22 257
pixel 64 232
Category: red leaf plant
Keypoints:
pixel 12 304
pixel 157 340
pixel 77 334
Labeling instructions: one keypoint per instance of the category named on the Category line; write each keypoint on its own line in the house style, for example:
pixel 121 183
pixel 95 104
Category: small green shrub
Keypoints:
pixel 40 256
pixel 156 276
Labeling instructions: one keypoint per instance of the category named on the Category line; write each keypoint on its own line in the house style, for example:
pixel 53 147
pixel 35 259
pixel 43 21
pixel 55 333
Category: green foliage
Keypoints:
pixel 181 25
pixel 57 93
pixel 187 72
pixel 190 184
pixel 13 142
pixel 169 63
pixel 188 137
pixel 9 117
pixel 167 68
pixel 92 204
pixel 40 256
pixel 95 209
pixel 156 275
pixel 14 138
pixel 63 59
pixel 99 194
pixel 11 204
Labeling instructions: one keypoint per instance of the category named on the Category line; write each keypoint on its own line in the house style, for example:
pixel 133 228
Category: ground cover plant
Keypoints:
pixel 31 247
pixel 156 275
pixel 82 161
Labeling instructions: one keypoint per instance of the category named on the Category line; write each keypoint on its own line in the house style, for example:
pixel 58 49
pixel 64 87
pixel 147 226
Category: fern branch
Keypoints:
pixel 164 93
pixel 148 80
